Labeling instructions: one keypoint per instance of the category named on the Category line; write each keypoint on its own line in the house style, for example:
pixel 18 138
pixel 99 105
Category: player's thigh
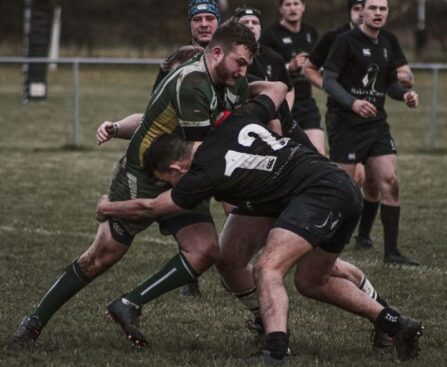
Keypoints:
pixel 282 250
pixel 381 167
pixel 315 268
pixel 242 236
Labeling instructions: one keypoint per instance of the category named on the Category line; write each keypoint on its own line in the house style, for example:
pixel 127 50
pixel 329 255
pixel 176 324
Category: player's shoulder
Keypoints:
pixel 386 35
pixel 193 74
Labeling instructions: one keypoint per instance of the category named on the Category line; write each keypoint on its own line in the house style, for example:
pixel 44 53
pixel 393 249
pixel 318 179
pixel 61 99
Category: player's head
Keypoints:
pixel 355 11
pixel 375 14
pixel 229 53
pixel 204 17
pixel 292 11
pixel 251 18
pixel 168 158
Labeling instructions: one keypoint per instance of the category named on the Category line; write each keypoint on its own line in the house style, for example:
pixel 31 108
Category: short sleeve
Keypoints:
pixel 192 189
pixel 399 58
pixel 338 54
pixel 321 50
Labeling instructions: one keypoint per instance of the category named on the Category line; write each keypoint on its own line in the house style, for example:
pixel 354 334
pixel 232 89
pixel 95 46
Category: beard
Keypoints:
pixel 224 76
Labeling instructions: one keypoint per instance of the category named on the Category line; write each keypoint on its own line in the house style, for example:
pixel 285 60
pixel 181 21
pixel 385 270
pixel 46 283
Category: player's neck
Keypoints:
pixel 294 27
pixel 370 32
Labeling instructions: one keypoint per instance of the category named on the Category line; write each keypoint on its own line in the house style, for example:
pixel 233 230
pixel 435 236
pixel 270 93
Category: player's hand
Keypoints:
pixel 100 217
pixel 105 132
pixel 301 59
pixel 411 99
pixel 364 108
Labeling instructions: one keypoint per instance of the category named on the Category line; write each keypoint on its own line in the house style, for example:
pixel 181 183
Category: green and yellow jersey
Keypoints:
pixel 185 103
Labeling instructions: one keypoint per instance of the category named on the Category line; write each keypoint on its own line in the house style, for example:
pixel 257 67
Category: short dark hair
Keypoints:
pixel 164 150
pixel 233 34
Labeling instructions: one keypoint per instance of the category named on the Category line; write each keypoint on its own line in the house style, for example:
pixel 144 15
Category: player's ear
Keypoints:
pixel 176 166
pixel 218 53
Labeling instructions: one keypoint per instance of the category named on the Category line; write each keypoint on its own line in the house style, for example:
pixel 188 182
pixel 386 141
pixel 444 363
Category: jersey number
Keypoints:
pixel 246 138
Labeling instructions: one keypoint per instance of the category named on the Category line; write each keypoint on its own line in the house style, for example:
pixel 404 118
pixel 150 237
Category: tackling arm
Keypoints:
pixel 137 208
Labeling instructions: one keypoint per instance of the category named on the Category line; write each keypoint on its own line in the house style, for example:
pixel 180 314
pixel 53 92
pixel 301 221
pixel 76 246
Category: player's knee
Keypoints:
pixel 391 187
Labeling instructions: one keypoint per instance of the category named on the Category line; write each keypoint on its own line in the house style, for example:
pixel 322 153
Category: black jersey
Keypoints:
pixel 244 163
pixel 270 65
pixel 366 68
pixel 321 51
pixel 288 44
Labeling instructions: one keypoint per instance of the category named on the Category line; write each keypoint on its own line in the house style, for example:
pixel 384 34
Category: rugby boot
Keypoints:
pixel 27 332
pixel 256 327
pixel 190 290
pixel 381 342
pixel 396 258
pixel 406 340
pixel 127 317
pixel 264 357
pixel 363 243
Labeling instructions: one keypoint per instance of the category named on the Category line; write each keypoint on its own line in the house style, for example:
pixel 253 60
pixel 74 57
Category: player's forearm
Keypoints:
pixel 405 76
pixel 396 91
pixel 335 89
pixel 128 125
pixel 276 91
pixel 129 209
pixel 312 74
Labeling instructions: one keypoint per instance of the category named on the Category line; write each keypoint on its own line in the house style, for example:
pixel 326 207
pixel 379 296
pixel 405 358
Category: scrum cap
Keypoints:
pixel 204 6
pixel 351 3
pixel 247 10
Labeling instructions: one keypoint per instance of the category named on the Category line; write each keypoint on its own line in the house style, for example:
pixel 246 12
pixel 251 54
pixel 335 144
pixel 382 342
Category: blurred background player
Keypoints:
pixel 359 71
pixel 267 63
pixel 313 72
pixel 294 39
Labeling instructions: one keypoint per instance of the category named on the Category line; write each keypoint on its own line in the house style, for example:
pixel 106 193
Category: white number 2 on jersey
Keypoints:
pixel 236 159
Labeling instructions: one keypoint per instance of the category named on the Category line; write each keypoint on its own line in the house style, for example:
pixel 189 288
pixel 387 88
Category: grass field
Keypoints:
pixel 48 195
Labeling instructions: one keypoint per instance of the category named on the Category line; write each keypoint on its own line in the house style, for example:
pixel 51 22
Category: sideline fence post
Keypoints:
pixel 433 108
pixel 75 107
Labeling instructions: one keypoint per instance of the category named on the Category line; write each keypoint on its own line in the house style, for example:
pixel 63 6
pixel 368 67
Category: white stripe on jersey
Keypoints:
pixel 196 66
pixel 184 123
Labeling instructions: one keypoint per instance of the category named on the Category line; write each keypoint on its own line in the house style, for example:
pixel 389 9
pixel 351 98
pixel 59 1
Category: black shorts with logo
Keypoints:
pixel 326 213
pixel 357 144
pixel 306 113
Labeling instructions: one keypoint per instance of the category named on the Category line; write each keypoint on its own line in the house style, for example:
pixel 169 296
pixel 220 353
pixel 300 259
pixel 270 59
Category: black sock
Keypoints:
pixel 278 344
pixel 388 321
pixel 65 287
pixel 390 216
pixel 369 214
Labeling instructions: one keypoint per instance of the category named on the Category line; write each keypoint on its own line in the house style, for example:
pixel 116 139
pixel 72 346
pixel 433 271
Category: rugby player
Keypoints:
pixel 293 39
pixel 312 72
pixel 358 72
pixel 315 204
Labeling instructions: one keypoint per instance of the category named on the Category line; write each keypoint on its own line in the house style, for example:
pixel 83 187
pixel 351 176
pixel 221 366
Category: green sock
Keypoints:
pixel 175 273
pixel 65 287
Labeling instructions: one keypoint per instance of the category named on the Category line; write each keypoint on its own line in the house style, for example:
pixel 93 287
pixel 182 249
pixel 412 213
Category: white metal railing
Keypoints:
pixel 76 61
